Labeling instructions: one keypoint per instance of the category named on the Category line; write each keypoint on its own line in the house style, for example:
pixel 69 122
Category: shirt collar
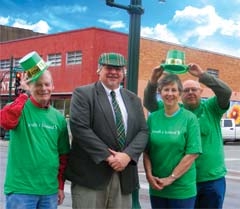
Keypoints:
pixel 38 104
pixel 108 91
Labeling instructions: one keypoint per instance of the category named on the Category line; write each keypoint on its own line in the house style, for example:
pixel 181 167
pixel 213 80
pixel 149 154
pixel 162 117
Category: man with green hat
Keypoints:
pixel 109 133
pixel 39 142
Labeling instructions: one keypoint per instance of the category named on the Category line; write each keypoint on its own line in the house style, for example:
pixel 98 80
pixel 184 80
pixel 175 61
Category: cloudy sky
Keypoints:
pixel 212 25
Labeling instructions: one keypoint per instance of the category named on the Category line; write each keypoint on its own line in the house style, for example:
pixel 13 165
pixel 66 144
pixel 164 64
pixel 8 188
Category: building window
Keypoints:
pixel 213 72
pixel 74 58
pixel 63 105
pixel 55 59
pixel 16 62
pixel 5 64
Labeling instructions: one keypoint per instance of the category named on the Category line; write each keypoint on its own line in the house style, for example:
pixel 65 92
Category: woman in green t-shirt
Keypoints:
pixel 174 144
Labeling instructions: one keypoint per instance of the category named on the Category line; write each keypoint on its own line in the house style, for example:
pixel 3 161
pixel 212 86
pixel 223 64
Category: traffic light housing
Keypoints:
pixel 109 2
pixel 17 83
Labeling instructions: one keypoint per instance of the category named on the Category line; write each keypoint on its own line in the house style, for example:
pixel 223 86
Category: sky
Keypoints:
pixel 212 25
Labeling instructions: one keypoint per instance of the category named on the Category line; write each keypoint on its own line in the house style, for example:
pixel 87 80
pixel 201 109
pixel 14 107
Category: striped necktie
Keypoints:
pixel 118 120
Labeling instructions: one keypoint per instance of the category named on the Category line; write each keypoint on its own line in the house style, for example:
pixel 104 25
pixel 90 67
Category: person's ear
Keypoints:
pixel 125 72
pixel 99 69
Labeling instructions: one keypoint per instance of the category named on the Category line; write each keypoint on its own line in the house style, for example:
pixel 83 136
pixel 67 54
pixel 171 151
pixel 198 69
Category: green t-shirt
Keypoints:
pixel 34 148
pixel 210 165
pixel 170 139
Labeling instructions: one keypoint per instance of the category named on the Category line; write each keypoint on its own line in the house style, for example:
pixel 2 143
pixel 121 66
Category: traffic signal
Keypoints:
pixel 17 83
pixel 109 2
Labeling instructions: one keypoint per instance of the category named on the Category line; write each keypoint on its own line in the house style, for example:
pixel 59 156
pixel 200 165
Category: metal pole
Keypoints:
pixel 10 81
pixel 134 44
pixel 135 10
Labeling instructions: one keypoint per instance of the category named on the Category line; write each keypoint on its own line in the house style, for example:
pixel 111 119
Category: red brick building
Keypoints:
pixel 74 56
pixel 226 67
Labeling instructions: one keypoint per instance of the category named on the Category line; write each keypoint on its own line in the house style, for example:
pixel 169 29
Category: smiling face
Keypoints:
pixel 111 76
pixel 170 95
pixel 191 94
pixel 41 90
pixel 170 88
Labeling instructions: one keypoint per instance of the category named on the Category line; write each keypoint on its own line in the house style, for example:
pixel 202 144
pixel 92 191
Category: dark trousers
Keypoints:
pixel 211 194
pixel 164 203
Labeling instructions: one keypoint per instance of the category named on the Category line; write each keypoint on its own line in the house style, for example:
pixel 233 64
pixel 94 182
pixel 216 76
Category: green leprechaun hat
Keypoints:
pixel 175 62
pixel 33 65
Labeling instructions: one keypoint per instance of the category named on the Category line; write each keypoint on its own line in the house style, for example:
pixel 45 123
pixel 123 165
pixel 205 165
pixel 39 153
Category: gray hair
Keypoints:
pixel 170 79
pixel 100 66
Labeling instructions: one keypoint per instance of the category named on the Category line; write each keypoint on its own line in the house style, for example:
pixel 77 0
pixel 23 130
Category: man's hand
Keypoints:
pixel 118 160
pixel 156 74
pixel 61 196
pixel 195 70
pixel 24 83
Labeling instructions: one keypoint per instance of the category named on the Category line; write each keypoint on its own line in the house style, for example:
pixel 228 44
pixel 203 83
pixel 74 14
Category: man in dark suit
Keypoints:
pixel 103 171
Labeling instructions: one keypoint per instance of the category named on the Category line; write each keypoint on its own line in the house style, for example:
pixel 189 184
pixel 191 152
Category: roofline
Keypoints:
pixel 65 32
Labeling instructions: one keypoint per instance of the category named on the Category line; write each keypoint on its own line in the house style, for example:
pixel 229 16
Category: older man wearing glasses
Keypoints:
pixel 211 169
pixel 109 134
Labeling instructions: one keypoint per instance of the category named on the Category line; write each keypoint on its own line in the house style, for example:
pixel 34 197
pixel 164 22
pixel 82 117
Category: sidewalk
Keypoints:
pixel 3 142
pixel 64 207
pixel 233 174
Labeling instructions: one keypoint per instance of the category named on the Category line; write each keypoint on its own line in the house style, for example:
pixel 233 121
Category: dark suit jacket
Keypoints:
pixel 93 131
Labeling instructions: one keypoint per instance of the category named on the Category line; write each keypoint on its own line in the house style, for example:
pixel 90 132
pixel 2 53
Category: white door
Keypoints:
pixel 228 129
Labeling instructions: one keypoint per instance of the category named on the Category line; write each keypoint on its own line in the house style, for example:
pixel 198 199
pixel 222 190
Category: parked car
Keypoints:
pixel 230 131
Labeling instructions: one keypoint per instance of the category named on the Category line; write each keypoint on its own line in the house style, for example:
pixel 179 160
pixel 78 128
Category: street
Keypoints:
pixel 232 159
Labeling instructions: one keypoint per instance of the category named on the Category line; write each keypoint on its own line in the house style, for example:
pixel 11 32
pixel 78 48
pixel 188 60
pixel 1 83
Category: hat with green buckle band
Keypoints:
pixel 175 62
pixel 114 59
pixel 33 65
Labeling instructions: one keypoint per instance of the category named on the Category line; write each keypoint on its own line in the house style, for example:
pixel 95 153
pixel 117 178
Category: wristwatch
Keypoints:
pixel 173 176
pixel 23 91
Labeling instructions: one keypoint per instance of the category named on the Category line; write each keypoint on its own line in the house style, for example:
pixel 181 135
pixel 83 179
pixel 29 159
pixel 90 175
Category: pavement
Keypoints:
pixel 233 173
pixel 3 142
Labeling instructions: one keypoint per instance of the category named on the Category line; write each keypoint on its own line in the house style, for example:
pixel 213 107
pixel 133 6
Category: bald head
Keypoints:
pixel 191 96
pixel 191 83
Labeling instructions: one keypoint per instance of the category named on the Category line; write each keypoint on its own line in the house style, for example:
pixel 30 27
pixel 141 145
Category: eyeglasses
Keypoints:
pixel 193 90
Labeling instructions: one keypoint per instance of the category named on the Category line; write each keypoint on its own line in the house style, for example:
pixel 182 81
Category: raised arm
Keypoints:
pixel 222 90
pixel 149 99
